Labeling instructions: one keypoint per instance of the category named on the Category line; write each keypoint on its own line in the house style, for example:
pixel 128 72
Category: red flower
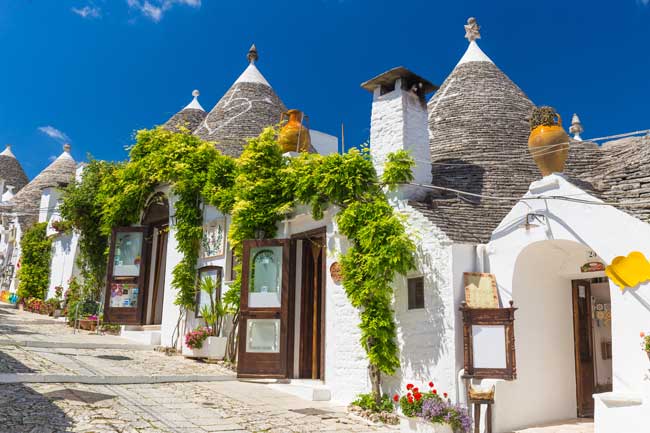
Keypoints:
pixel 430 384
pixel 445 394
pixel 410 399
pixel 418 396
pixel 409 386
pixel 416 390
pixel 435 392
pixel 396 398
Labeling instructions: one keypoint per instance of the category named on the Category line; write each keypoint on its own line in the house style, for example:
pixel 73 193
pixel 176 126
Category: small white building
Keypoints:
pixel 33 202
pixel 477 205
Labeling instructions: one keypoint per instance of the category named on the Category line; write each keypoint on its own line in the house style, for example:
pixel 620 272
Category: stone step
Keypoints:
pixel 310 390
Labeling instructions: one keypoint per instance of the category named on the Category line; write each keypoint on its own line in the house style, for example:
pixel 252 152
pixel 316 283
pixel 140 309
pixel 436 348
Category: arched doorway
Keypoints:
pixel 156 221
pixel 563 347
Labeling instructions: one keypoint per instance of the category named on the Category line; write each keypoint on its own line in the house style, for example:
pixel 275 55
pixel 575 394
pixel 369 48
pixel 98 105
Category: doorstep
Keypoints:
pixel 149 334
pixel 310 390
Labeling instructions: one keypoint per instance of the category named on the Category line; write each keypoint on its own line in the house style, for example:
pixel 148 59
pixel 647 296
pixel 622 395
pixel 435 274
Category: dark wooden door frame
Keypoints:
pixel 159 252
pixel 584 399
pixel 265 365
pixel 321 233
pixel 125 316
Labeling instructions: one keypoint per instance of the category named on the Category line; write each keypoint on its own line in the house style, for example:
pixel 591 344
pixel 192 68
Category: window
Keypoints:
pixel 202 298
pixel 416 293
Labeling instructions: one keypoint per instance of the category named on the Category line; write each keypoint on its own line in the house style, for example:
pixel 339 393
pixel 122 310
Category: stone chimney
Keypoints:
pixel 399 120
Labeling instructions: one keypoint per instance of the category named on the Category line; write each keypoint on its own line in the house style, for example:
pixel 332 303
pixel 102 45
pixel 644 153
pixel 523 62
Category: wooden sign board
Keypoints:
pixel 481 290
pixel 489 342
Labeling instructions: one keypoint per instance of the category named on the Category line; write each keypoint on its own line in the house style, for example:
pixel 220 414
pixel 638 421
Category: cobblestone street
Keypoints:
pixel 52 371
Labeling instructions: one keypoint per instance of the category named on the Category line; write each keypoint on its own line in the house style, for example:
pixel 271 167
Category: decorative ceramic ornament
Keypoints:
pixel 630 271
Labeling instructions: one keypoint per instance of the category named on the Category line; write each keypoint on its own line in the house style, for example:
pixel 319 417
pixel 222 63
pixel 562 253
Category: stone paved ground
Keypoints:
pixel 225 406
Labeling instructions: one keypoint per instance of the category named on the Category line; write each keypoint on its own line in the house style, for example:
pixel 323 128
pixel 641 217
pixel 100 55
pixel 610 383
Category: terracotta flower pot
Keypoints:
pixel 294 136
pixel 549 146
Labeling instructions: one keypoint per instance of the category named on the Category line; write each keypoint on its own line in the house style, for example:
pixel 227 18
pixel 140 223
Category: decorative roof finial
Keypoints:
pixel 252 54
pixel 472 30
pixel 576 127
pixel 66 148
pixel 194 104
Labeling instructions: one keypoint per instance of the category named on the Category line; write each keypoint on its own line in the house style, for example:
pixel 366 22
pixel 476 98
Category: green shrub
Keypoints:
pixel 34 272
pixel 367 401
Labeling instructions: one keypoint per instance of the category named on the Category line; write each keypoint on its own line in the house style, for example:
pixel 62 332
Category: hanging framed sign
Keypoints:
pixel 213 242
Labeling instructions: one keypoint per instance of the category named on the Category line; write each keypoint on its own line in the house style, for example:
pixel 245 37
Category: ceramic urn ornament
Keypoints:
pixel 294 136
pixel 548 143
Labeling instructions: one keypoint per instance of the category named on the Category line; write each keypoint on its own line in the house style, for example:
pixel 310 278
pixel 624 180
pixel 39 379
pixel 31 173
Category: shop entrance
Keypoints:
pixel 309 305
pixel 593 341
pixel 136 268
pixel 282 325
pixel 156 219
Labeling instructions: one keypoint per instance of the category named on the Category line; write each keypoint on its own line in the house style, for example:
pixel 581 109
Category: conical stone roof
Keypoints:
pixel 478 132
pixel 189 118
pixel 249 106
pixel 28 200
pixel 477 120
pixel 11 171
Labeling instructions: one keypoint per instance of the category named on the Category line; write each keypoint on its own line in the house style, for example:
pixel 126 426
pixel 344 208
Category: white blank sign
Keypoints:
pixel 489 346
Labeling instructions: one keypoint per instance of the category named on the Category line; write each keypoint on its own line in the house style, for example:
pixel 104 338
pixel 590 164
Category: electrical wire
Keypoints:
pixel 540 197
pixel 524 153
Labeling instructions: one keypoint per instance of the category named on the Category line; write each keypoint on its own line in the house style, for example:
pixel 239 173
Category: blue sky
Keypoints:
pixel 92 72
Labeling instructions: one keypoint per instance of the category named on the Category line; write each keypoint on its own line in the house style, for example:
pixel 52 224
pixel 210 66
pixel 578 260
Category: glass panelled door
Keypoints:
pixel 264 313
pixel 124 290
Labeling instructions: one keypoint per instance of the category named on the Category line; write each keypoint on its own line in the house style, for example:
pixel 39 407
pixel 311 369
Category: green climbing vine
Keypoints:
pixel 258 190
pixel 36 253
pixel 82 207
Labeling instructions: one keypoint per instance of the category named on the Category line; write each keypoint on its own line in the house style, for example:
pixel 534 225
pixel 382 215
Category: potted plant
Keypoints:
pixel 207 342
pixel 428 412
pixel 88 323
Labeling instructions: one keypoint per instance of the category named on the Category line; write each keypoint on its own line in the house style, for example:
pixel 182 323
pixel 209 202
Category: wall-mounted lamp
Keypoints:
pixel 531 218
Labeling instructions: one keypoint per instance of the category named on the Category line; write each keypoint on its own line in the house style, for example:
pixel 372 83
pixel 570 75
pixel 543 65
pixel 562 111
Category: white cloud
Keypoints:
pixel 155 9
pixel 88 11
pixel 54 133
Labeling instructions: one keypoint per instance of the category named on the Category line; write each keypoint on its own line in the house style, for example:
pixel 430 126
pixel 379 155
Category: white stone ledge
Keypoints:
pixel 618 399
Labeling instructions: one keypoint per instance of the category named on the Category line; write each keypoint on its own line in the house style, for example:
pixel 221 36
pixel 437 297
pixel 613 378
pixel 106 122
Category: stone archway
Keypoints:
pixel 543 285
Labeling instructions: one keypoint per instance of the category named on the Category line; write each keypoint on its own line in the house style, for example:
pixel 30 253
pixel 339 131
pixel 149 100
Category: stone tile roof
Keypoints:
pixel 478 124
pixel 189 118
pixel 11 171
pixel 28 200
pixel 249 106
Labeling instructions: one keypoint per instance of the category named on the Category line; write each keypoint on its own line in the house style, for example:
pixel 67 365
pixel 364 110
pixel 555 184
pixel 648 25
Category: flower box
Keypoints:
pixel 417 425
pixel 88 324
pixel 212 348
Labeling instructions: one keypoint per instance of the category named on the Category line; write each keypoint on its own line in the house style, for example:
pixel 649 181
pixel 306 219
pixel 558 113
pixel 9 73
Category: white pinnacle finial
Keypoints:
pixel 66 148
pixel 472 30
pixel 195 101
pixel 576 127
pixel 8 152
pixel 252 55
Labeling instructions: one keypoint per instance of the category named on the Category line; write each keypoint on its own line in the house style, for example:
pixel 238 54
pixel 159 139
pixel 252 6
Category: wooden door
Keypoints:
pixel 158 292
pixel 264 323
pixel 124 299
pixel 583 348
pixel 311 317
